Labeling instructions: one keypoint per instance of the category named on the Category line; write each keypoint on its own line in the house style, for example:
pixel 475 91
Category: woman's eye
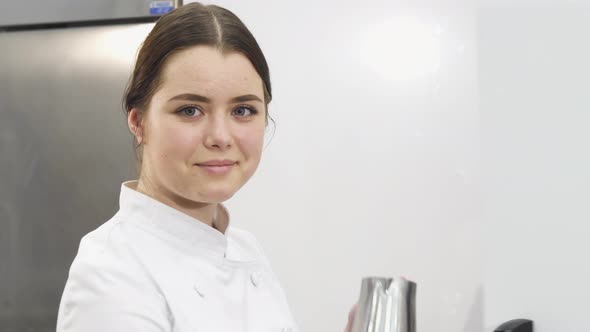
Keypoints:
pixel 189 111
pixel 244 111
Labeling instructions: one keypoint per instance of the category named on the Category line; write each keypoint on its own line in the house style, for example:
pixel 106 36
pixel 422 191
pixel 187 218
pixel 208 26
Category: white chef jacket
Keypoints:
pixel 152 268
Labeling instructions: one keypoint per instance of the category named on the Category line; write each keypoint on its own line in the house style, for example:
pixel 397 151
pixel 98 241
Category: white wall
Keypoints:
pixel 534 100
pixel 373 166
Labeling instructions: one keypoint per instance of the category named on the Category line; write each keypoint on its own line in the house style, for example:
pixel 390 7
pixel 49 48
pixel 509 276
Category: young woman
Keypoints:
pixel 169 259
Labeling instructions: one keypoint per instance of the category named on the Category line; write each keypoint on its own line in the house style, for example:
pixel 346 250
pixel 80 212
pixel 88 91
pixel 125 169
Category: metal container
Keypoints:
pixel 386 305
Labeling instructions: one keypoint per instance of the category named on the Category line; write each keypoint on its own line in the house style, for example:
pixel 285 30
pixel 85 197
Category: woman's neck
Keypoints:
pixel 211 214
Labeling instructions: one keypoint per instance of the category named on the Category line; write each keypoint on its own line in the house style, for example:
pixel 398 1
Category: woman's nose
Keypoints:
pixel 218 133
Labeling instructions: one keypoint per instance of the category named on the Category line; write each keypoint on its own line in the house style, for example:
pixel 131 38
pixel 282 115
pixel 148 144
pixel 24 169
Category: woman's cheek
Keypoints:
pixel 252 139
pixel 180 142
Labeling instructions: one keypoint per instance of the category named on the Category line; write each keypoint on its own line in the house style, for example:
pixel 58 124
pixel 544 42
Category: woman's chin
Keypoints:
pixel 213 196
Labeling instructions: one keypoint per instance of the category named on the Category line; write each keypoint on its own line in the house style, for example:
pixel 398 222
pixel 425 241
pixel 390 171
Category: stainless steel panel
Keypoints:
pixel 47 11
pixel 64 151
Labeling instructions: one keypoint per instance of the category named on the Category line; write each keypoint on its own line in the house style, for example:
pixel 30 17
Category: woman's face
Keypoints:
pixel 209 109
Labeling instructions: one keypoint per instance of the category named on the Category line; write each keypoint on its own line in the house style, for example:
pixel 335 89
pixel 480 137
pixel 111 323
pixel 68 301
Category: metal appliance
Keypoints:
pixel 64 144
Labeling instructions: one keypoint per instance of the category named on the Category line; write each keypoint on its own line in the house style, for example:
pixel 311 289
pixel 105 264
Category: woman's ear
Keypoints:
pixel 134 121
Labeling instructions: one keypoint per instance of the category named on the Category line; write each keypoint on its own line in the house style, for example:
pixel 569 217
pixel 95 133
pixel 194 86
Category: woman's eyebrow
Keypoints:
pixel 195 97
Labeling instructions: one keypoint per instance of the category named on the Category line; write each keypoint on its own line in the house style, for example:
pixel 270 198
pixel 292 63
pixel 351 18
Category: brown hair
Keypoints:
pixel 187 26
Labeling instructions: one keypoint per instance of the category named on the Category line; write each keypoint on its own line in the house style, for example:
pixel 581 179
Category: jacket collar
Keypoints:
pixel 161 218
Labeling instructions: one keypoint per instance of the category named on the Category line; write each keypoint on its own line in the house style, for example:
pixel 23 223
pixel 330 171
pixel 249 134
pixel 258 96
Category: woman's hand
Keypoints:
pixel 351 315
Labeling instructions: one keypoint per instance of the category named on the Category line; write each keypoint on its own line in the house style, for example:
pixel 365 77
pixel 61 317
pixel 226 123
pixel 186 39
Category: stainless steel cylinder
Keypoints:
pixel 386 305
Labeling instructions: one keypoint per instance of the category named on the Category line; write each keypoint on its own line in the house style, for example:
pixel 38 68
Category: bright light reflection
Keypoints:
pixel 117 46
pixel 123 44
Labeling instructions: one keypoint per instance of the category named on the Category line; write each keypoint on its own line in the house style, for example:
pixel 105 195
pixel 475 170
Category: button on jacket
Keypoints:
pixel 152 268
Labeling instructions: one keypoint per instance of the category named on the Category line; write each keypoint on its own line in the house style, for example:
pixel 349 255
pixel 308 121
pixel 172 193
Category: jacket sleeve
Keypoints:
pixel 107 290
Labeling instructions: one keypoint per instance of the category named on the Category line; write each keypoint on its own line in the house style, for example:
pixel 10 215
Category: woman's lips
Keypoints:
pixel 217 170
